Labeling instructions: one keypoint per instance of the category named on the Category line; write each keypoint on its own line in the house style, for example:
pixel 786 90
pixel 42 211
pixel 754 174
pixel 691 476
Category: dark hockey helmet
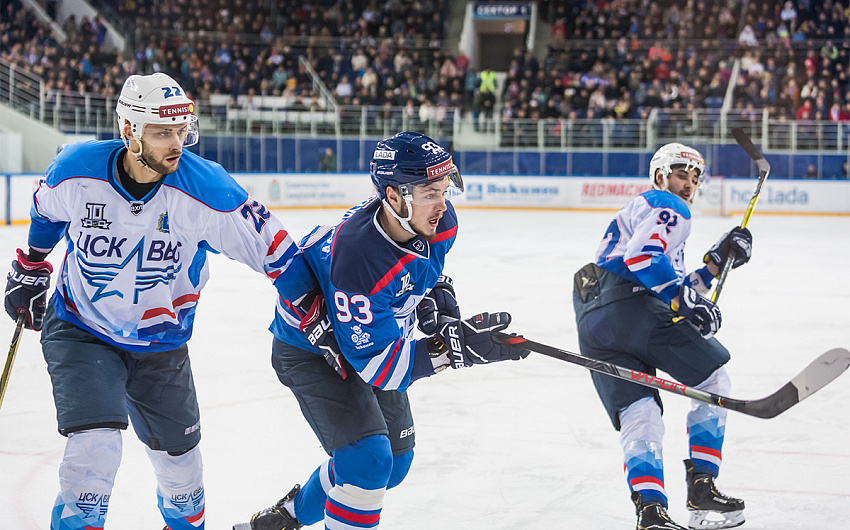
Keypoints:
pixel 408 159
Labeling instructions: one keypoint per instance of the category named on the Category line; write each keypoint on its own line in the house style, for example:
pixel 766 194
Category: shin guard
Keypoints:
pixel 86 476
pixel 180 488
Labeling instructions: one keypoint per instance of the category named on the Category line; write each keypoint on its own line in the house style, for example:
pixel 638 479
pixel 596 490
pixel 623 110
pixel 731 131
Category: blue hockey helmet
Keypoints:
pixel 409 159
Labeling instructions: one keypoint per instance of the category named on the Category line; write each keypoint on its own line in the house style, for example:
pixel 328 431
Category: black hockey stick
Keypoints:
pixel 764 169
pixel 814 377
pixel 10 358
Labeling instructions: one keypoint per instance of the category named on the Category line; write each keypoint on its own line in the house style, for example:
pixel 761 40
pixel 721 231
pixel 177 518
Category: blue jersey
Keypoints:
pixel 134 269
pixel 645 242
pixel 372 286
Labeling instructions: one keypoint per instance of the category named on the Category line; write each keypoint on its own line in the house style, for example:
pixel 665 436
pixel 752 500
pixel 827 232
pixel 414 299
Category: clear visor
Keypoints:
pixel 172 135
pixel 435 192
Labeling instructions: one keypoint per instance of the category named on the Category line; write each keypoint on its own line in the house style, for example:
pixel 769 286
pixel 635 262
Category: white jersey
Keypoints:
pixel 134 269
pixel 645 243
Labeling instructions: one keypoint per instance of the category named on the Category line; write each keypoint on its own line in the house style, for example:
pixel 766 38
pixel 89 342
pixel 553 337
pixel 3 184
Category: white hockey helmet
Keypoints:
pixel 675 154
pixel 156 99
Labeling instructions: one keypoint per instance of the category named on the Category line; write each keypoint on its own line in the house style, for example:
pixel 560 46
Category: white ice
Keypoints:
pixel 519 445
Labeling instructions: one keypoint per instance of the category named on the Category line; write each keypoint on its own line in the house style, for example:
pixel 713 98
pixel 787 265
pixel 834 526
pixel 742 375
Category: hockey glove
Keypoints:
pixel 702 312
pixel 738 242
pixel 438 303
pixel 26 290
pixel 316 325
pixel 471 341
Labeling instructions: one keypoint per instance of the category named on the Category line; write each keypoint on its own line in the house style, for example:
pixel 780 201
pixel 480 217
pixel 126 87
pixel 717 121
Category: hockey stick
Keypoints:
pixel 764 169
pixel 10 359
pixel 814 377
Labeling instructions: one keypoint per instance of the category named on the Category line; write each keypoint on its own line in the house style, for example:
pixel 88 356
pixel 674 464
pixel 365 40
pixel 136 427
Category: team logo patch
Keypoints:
pixel 440 169
pixel 406 285
pixel 136 207
pixel 162 223
pixel 383 154
pixel 95 217
pixel 181 109
pixel 92 504
pixel 359 337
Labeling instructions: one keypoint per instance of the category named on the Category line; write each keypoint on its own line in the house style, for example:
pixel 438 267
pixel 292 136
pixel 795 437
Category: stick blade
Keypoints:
pixel 821 372
pixel 746 144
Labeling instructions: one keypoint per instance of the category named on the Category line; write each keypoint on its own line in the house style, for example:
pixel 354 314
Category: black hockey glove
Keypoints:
pixel 437 304
pixel 738 241
pixel 316 325
pixel 471 341
pixel 702 312
pixel 26 290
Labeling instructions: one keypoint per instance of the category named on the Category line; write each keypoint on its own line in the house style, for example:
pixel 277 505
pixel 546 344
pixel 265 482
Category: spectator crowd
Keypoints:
pixel 607 58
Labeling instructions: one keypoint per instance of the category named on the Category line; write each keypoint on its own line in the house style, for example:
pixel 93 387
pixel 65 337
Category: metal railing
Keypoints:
pixel 94 114
pixel 345 121
pixel 22 90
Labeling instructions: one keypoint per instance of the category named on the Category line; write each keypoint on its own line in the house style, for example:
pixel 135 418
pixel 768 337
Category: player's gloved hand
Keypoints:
pixel 702 312
pixel 26 290
pixel 438 303
pixel 738 241
pixel 316 325
pixel 471 341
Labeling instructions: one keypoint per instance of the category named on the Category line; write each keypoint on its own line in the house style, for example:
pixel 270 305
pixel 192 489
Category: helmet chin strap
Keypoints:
pixel 140 157
pixel 402 220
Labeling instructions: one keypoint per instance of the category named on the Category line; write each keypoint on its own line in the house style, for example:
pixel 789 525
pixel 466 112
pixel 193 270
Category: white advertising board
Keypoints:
pixel 319 190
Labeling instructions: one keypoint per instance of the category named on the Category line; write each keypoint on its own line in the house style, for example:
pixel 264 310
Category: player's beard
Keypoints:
pixel 158 165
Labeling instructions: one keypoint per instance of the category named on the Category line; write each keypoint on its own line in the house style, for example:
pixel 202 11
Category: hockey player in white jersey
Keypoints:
pixel 139 215
pixel 636 307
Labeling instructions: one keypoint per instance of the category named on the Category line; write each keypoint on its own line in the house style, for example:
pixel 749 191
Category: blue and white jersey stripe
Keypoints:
pixel 645 242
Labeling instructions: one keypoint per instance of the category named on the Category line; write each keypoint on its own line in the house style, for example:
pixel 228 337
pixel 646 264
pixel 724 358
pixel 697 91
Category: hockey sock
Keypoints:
pixel 309 505
pixel 362 472
pixel 641 433
pixel 180 488
pixel 707 425
pixel 645 471
pixel 86 476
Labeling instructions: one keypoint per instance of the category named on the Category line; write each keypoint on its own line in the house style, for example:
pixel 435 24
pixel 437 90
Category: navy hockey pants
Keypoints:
pixel 622 323
pixel 96 384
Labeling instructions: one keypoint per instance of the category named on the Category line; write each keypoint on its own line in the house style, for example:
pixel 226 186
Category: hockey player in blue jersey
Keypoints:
pixel 380 271
pixel 139 216
pixel 636 307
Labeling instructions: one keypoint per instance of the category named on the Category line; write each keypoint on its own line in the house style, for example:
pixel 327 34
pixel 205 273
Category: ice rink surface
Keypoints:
pixel 518 445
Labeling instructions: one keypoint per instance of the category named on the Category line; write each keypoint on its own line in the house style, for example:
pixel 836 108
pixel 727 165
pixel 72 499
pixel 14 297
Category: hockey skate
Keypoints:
pixel 276 517
pixel 709 508
pixel 652 515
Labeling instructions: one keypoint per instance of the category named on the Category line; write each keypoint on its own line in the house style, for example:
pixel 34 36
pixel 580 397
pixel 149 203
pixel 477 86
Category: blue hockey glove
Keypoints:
pixel 471 342
pixel 316 325
pixel 26 290
pixel 738 240
pixel 438 303
pixel 702 312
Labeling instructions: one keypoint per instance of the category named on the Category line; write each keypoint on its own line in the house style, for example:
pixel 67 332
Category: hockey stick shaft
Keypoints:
pixel 764 169
pixel 814 377
pixel 10 358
